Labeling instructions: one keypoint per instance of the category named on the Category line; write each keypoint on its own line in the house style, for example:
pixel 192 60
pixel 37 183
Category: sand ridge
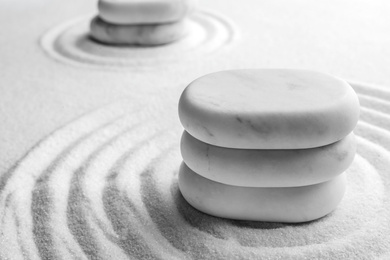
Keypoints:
pixel 105 187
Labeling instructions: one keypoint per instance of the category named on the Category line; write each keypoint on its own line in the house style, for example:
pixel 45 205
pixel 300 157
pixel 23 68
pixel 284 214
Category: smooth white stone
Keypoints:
pixel 292 204
pixel 268 168
pixel 269 109
pixel 144 11
pixel 151 34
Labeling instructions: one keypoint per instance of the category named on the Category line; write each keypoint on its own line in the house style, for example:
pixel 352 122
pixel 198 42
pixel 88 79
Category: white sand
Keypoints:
pixel 105 186
pixel 88 159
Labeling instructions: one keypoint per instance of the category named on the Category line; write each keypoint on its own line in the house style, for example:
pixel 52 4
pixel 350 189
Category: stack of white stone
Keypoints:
pixel 267 145
pixel 141 22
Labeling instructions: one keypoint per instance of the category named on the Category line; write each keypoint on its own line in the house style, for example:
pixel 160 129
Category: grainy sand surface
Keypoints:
pixel 89 135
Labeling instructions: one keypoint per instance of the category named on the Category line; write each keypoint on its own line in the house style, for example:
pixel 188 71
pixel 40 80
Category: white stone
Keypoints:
pixel 269 109
pixel 288 204
pixel 144 11
pixel 151 34
pixel 268 168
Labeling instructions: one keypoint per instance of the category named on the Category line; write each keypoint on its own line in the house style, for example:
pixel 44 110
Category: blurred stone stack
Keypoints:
pixel 141 22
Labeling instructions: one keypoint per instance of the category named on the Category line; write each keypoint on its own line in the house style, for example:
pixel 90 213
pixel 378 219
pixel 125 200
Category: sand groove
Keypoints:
pixel 105 187
pixel 70 43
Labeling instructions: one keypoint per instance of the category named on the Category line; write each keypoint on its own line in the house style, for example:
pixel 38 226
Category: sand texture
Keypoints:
pixel 105 187
pixel 90 134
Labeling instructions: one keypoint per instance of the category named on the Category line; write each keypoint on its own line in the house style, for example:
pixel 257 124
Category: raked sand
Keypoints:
pixel 90 137
pixel 105 187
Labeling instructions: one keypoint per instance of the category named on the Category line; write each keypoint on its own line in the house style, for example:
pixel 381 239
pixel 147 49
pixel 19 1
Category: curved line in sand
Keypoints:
pixel 105 187
pixel 70 43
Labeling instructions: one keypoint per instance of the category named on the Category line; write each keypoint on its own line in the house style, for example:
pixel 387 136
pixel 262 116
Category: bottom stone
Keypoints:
pixel 287 204
pixel 137 34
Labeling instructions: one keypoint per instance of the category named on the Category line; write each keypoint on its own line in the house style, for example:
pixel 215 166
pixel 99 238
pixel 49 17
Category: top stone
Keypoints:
pixel 269 109
pixel 132 12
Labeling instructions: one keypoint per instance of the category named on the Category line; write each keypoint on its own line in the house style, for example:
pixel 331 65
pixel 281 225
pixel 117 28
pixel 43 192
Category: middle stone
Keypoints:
pixel 268 168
